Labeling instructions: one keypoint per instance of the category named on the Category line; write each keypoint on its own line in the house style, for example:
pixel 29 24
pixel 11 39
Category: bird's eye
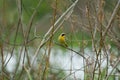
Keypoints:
pixel 63 34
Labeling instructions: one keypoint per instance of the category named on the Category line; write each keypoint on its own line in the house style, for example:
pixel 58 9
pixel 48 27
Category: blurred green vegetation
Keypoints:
pixel 30 6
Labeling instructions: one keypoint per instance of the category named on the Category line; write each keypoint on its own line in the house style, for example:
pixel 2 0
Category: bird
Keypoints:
pixel 62 39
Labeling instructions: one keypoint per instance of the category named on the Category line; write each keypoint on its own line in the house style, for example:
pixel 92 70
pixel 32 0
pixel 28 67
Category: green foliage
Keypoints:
pixel 30 6
pixel 109 5
pixel 103 73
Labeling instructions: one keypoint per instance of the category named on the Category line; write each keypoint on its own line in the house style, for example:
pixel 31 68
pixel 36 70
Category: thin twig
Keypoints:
pixel 71 50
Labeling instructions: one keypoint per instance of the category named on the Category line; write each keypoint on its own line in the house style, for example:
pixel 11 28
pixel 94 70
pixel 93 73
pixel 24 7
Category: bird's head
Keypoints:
pixel 63 34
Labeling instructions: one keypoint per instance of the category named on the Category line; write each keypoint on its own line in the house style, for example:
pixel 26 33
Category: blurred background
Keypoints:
pixel 29 43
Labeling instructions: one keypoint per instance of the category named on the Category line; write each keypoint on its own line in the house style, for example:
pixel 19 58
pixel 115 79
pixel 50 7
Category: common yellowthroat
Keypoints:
pixel 62 40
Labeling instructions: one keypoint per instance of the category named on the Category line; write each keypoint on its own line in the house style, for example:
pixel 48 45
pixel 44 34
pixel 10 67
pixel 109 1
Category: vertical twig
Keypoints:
pixel 2 55
pixel 93 39
pixel 1 44
pixel 50 42
pixel 19 3
pixel 101 42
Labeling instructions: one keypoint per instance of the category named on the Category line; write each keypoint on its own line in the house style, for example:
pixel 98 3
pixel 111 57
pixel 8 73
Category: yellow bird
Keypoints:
pixel 62 40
